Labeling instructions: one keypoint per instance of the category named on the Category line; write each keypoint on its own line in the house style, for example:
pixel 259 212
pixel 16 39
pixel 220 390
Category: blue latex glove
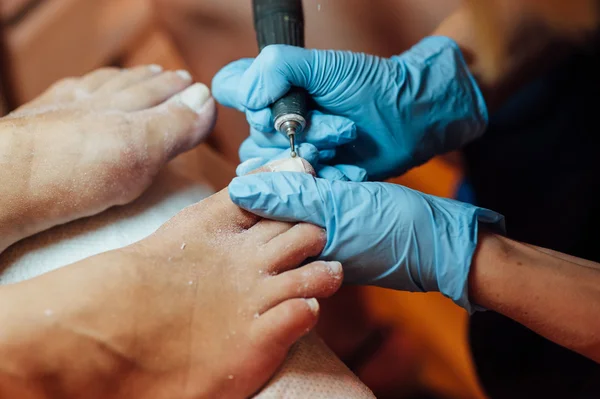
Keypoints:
pixel 384 234
pixel 406 109
pixel 317 144
pixel 305 150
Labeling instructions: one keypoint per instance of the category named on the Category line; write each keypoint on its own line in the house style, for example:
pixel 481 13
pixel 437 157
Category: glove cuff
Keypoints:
pixel 472 220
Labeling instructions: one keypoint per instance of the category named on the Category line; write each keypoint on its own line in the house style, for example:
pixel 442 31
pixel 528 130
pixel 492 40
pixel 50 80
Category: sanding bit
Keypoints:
pixel 282 22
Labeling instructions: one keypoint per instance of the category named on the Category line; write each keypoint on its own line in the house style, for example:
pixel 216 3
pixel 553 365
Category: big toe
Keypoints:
pixel 148 92
pixel 182 122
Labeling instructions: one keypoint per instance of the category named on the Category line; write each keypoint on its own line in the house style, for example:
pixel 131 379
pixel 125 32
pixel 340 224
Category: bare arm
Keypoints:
pixel 568 258
pixel 555 295
pixel 503 45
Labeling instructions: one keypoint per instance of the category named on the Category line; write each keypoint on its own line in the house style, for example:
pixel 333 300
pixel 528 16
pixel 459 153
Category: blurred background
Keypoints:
pixel 401 345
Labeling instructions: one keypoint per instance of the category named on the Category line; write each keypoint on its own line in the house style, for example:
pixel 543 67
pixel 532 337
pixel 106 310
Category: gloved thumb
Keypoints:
pixel 226 84
pixel 285 196
pixel 356 216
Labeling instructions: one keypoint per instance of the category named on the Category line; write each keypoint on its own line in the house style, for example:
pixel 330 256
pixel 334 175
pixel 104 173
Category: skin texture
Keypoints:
pixel 206 307
pixel 123 126
pixel 555 295
pixel 224 30
pixel 178 314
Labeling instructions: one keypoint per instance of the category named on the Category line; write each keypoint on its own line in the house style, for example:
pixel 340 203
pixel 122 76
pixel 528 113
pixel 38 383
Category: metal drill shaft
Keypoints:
pixel 292 137
pixel 290 128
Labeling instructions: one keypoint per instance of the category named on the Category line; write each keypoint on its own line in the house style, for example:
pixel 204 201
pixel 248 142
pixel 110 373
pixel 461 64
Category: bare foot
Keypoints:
pixel 207 307
pixel 90 143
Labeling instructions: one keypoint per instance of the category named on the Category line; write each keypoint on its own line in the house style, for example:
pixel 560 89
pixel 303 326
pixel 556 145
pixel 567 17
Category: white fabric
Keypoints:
pixel 115 228
pixel 313 371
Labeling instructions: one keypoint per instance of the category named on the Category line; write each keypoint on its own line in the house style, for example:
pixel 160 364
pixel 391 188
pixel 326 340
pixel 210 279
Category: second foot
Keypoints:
pixel 98 141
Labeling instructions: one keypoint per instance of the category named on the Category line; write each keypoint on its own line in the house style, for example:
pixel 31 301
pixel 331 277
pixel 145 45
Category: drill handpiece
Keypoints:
pixel 282 22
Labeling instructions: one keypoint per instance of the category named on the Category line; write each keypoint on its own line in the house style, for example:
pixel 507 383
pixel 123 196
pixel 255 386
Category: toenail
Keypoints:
pixel 154 68
pixel 183 74
pixel 194 97
pixel 334 267
pixel 313 304
pixel 288 165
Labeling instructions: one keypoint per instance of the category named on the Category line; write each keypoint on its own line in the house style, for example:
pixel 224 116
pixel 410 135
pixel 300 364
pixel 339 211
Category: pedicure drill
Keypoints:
pixel 282 22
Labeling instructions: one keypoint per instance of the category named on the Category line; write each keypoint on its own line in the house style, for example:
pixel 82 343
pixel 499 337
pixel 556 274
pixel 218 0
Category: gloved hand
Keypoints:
pixel 305 150
pixel 384 234
pixel 406 109
pixel 316 145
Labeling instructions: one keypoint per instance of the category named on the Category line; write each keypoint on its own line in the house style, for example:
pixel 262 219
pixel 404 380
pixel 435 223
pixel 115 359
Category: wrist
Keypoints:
pixel 485 275
pixel 500 274
pixel 457 231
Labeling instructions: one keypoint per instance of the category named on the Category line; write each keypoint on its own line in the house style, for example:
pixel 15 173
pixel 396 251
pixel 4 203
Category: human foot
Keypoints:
pixel 94 142
pixel 206 307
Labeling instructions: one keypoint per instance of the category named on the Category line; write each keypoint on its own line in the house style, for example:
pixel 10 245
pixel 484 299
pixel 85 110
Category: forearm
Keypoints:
pixel 503 48
pixel 568 258
pixel 555 297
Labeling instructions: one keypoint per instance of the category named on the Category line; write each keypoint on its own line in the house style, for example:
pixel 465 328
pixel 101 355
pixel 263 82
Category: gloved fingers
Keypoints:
pixel 255 156
pixel 261 121
pixel 326 155
pixel 276 69
pixel 226 84
pixel 324 131
pixel 252 164
pixel 352 172
pixel 249 149
pixel 330 173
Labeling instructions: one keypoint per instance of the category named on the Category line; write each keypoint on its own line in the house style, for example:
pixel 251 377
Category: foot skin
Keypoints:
pixel 93 142
pixel 207 307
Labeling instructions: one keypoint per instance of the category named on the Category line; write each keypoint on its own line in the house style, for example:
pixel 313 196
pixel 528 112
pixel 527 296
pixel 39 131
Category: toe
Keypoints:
pixel 279 328
pixel 129 77
pixel 315 280
pixel 151 92
pixel 291 248
pixel 94 80
pixel 181 123
pixel 216 222
pixel 296 164
pixel 61 92
pixel 219 219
